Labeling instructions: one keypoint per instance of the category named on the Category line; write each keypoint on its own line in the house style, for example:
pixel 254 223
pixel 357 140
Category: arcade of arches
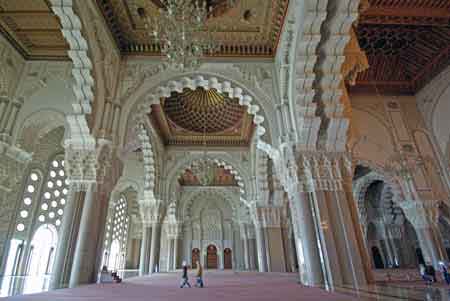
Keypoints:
pixel 314 142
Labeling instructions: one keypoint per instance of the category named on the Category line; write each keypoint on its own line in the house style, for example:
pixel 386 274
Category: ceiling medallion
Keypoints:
pixel 180 28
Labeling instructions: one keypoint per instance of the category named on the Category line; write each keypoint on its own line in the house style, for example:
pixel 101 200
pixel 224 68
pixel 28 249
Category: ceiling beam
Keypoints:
pixel 406 16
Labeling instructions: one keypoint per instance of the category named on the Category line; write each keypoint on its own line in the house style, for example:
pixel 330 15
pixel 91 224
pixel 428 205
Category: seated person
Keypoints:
pixel 105 276
pixel 423 273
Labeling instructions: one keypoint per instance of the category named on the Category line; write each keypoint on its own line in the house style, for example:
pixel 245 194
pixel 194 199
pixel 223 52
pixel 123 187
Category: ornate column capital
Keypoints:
pixel 151 211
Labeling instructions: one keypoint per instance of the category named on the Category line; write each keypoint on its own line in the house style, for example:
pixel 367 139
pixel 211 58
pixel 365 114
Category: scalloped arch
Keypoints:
pixel 140 104
pixel 243 182
pixel 189 198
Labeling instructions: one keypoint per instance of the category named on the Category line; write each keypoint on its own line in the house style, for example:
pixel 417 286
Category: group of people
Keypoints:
pixel 198 274
pixel 428 273
pixel 109 276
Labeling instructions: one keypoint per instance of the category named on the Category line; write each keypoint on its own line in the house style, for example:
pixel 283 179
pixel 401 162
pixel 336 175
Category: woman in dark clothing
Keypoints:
pixel 184 276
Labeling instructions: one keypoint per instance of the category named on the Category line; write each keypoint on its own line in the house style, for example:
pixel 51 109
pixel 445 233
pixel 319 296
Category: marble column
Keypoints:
pixel 270 218
pixel 175 253
pixel 68 234
pixel 144 256
pixel 308 256
pixel 245 247
pixel 85 251
pixel 261 249
pixel 170 253
pixel 155 247
pixel 423 216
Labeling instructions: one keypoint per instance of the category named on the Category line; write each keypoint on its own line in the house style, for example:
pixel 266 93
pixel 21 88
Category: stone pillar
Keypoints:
pixel 68 233
pixel 144 256
pixel 170 253
pixel 261 249
pixel 155 247
pixel 328 215
pixel 423 216
pixel 84 258
pixel 175 253
pixel 251 241
pixel 246 247
pixel 308 256
pixel 270 221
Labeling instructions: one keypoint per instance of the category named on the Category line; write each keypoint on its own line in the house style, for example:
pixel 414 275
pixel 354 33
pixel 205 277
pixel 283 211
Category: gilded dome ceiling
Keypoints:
pixel 203 111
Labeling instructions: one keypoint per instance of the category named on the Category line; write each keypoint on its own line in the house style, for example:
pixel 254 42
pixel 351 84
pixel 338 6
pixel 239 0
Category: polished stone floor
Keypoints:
pixel 237 286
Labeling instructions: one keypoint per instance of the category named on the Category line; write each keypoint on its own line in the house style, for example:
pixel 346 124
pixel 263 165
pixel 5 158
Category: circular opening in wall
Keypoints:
pixel 62 201
pixel 62 162
pixel 60 212
pixel 47 195
pixel 51 214
pixel 50 184
pixel 27 201
pixel 52 174
pixel 64 191
pixel 56 193
pixel 20 227
pixel 34 177
pixel 24 214
pixel 61 173
pixel 44 206
pixel 57 222
pixel 30 188
pixel 59 183
pixel 41 218
pixel 54 204
pixel 55 164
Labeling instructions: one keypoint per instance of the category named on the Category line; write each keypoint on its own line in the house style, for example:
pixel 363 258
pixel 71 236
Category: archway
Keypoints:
pixel 211 257
pixel 227 259
pixel 43 249
pixel 377 259
pixel 195 257
pixel 114 255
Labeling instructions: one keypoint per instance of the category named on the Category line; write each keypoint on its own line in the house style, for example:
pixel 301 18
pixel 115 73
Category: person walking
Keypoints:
pixel 199 275
pixel 184 276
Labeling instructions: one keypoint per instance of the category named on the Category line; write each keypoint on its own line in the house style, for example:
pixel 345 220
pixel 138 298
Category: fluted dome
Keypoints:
pixel 203 110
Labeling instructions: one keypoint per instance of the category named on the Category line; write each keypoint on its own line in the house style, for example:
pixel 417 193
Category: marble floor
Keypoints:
pixel 236 286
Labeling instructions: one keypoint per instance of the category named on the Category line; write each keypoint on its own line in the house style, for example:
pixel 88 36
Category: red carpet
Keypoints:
pixel 218 286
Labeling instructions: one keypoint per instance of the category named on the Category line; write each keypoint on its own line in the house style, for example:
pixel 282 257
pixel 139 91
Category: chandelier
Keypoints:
pixel 180 29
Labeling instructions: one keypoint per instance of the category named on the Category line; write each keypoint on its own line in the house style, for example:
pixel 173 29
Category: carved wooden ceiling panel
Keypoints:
pixel 407 43
pixel 33 29
pixel 202 117
pixel 222 177
pixel 252 28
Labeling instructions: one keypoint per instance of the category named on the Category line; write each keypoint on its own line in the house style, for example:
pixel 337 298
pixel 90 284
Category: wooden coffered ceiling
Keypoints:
pixel 407 43
pixel 33 29
pixel 196 118
pixel 252 28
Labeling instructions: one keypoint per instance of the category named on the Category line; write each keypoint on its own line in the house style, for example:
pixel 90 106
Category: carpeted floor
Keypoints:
pixel 218 286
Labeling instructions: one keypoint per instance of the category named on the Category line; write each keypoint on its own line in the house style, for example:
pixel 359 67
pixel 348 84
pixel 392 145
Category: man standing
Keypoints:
pixel 199 275
pixel 184 276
